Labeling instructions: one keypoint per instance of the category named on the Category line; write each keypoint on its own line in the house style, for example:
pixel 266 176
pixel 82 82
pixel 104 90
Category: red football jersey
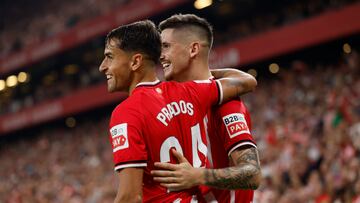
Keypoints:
pixel 159 116
pixel 229 128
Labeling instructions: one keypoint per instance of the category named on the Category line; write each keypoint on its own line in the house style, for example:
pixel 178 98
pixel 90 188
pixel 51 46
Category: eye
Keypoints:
pixel 108 56
pixel 165 45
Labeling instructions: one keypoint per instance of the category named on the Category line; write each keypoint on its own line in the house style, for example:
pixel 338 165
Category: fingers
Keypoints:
pixel 179 156
pixel 166 179
pixel 172 187
pixel 161 173
pixel 165 166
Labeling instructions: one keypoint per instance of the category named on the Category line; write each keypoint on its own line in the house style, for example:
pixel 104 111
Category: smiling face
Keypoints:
pixel 116 67
pixel 175 55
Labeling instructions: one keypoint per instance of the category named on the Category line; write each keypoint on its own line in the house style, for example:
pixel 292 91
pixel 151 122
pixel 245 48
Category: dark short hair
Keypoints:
pixel 188 20
pixel 141 36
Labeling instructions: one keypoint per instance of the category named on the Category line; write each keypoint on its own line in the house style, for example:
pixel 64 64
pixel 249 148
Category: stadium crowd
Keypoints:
pixel 53 18
pixel 64 79
pixel 264 19
pixel 60 165
pixel 50 19
pixel 306 121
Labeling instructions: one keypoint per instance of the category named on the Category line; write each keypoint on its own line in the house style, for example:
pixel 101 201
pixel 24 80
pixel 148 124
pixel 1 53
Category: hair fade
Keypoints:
pixel 188 20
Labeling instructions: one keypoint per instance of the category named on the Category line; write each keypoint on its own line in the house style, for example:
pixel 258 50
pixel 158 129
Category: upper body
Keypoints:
pixel 131 53
pixel 187 41
pixel 155 118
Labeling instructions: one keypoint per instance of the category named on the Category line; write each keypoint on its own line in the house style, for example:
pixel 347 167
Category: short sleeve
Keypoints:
pixel 125 133
pixel 235 125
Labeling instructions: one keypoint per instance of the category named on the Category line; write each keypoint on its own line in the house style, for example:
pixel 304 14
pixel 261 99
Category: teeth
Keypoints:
pixel 166 65
pixel 108 76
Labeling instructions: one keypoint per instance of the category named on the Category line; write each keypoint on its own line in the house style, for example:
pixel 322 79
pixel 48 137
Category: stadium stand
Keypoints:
pixel 53 18
pixel 308 140
pixel 50 19
pixel 59 165
pixel 57 83
pixel 83 62
pixel 310 134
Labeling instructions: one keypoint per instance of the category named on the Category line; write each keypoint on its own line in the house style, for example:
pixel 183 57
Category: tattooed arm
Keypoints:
pixel 245 174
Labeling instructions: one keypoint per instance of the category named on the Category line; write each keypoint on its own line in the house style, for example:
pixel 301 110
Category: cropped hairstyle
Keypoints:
pixel 186 21
pixel 141 36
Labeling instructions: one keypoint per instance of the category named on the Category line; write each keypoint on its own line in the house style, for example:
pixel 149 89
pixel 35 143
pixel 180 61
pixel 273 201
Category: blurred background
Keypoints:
pixel 54 107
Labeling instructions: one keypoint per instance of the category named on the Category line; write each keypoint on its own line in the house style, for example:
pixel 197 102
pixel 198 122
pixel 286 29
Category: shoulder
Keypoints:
pixel 232 106
pixel 188 84
pixel 126 104
pixel 232 111
pixel 179 88
pixel 173 85
pixel 127 109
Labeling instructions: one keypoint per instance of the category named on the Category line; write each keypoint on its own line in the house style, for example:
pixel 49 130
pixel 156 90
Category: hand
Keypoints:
pixel 177 177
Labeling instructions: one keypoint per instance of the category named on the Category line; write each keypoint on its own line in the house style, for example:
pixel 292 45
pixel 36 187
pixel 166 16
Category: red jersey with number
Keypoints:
pixel 159 116
pixel 229 128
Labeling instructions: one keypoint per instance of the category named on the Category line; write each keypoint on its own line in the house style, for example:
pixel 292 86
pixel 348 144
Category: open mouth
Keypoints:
pixel 165 65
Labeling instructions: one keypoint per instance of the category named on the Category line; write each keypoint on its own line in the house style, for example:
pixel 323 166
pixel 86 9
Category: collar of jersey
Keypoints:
pixel 148 83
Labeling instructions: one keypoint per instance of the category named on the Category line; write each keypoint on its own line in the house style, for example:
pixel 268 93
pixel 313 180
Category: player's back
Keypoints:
pixel 164 116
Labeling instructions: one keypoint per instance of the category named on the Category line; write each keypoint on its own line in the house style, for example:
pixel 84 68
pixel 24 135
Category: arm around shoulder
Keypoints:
pixel 234 82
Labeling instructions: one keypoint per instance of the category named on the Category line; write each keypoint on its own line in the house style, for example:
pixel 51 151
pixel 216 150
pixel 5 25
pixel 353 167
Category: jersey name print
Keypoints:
pixel 173 109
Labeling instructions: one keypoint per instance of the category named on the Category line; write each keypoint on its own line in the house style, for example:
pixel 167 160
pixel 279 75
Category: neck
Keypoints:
pixel 145 75
pixel 198 70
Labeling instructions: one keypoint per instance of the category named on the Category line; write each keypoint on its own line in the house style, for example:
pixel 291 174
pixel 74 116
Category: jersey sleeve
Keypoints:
pixel 235 125
pixel 125 133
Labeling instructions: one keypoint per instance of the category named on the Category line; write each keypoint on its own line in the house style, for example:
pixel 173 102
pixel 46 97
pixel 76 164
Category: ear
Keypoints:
pixel 136 61
pixel 194 49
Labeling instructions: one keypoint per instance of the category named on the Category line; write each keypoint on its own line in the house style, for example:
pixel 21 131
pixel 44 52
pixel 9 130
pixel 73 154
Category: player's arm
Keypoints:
pixel 234 82
pixel 245 174
pixel 130 185
pixel 129 153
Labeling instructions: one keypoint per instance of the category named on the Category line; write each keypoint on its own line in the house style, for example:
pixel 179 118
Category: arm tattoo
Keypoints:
pixel 245 174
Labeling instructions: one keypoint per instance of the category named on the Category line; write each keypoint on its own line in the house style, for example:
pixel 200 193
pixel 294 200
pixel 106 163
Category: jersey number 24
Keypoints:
pixel 196 142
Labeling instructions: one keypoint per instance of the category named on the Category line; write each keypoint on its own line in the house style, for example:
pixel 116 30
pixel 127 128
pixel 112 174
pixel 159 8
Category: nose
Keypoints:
pixel 162 57
pixel 102 67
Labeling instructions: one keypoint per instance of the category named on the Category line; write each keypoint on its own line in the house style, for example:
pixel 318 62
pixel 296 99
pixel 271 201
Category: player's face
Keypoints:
pixel 175 55
pixel 116 67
